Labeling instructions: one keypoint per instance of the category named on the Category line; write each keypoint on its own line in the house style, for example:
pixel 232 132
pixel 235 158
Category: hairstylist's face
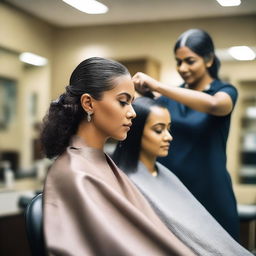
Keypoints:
pixel 191 67
pixel 156 136
pixel 114 113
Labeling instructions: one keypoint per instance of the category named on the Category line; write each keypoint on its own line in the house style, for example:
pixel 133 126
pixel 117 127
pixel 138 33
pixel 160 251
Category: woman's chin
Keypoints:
pixel 163 154
pixel 120 137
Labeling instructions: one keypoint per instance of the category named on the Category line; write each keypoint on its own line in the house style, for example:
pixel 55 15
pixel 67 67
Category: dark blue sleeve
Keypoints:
pixel 231 91
pixel 162 99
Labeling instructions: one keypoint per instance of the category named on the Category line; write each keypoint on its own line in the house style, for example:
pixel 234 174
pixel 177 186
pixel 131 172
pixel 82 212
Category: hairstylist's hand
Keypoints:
pixel 144 83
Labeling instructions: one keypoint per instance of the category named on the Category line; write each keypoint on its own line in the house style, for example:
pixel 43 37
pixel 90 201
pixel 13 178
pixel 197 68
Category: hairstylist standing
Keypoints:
pixel 201 111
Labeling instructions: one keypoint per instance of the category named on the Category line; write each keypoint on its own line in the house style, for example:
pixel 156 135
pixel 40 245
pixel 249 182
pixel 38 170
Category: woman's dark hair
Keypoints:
pixel 93 76
pixel 127 152
pixel 200 42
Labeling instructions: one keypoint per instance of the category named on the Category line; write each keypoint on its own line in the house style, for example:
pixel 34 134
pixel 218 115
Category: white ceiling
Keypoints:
pixel 58 13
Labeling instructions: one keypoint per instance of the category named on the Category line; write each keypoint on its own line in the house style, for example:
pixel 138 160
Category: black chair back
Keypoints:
pixel 34 225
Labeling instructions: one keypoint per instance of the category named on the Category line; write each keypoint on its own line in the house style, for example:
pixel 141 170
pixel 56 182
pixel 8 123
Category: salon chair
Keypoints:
pixel 34 226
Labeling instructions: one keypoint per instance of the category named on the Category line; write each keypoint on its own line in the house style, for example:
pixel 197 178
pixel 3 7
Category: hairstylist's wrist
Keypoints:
pixel 158 86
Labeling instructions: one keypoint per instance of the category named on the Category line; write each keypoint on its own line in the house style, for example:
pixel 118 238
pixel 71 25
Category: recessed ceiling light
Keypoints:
pixel 226 3
pixel 88 6
pixel 33 59
pixel 242 53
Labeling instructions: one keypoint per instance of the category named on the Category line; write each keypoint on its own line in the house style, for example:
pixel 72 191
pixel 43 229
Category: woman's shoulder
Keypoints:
pixel 60 169
pixel 219 84
pixel 164 171
pixel 67 166
pixel 171 179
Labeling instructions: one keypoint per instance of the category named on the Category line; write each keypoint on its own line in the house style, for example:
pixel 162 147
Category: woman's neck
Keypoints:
pixel 149 162
pixel 91 137
pixel 202 84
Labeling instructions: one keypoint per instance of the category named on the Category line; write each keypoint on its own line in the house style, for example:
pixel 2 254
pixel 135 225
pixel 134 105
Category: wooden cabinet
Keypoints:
pixel 145 65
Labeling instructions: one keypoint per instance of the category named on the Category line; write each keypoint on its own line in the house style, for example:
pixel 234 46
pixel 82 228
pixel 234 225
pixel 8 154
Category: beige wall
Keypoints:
pixel 19 33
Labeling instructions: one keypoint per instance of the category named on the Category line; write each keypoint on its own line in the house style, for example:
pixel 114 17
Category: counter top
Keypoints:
pixel 9 197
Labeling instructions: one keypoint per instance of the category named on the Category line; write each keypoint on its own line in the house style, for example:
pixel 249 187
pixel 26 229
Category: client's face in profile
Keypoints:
pixel 156 134
pixel 114 112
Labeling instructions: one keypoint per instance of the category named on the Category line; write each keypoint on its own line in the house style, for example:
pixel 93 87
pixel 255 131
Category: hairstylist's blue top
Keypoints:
pixel 198 156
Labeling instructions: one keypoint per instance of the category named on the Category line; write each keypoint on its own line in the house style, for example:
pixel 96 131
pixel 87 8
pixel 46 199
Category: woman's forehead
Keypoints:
pixel 122 85
pixel 158 114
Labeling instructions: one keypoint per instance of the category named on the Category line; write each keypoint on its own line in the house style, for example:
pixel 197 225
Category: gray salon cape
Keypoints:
pixel 184 215
pixel 91 208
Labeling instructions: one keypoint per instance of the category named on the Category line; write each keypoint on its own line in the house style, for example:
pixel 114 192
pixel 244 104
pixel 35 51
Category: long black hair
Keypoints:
pixel 126 154
pixel 93 76
pixel 200 42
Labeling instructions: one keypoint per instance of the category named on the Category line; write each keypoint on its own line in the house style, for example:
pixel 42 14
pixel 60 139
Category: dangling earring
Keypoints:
pixel 89 113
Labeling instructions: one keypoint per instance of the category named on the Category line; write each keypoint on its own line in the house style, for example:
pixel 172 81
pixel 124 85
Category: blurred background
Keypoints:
pixel 140 34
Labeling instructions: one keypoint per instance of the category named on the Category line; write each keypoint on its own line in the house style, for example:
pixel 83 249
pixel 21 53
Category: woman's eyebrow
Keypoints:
pixel 129 97
pixel 186 58
pixel 161 124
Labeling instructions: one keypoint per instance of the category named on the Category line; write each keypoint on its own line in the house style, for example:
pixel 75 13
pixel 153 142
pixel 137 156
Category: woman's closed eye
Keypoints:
pixel 123 103
pixel 124 99
pixel 178 62
pixel 190 61
pixel 158 131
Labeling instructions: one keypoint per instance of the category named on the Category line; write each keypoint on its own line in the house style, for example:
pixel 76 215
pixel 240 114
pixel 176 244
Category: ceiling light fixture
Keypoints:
pixel 33 59
pixel 227 3
pixel 242 53
pixel 88 6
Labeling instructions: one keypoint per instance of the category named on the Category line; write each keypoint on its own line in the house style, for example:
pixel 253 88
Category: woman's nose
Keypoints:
pixel 131 113
pixel 183 67
pixel 168 136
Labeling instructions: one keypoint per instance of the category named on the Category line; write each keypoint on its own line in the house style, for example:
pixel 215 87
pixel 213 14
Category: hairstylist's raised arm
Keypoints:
pixel 220 104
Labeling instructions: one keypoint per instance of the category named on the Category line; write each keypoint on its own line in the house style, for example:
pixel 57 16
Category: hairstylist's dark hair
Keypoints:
pixel 127 152
pixel 93 76
pixel 201 43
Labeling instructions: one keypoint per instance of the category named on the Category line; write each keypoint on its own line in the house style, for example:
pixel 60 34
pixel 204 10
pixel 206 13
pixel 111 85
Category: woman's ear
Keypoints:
pixel 209 61
pixel 86 102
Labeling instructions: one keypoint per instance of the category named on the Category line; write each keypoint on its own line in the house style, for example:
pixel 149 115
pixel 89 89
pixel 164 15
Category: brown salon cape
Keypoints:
pixel 92 208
